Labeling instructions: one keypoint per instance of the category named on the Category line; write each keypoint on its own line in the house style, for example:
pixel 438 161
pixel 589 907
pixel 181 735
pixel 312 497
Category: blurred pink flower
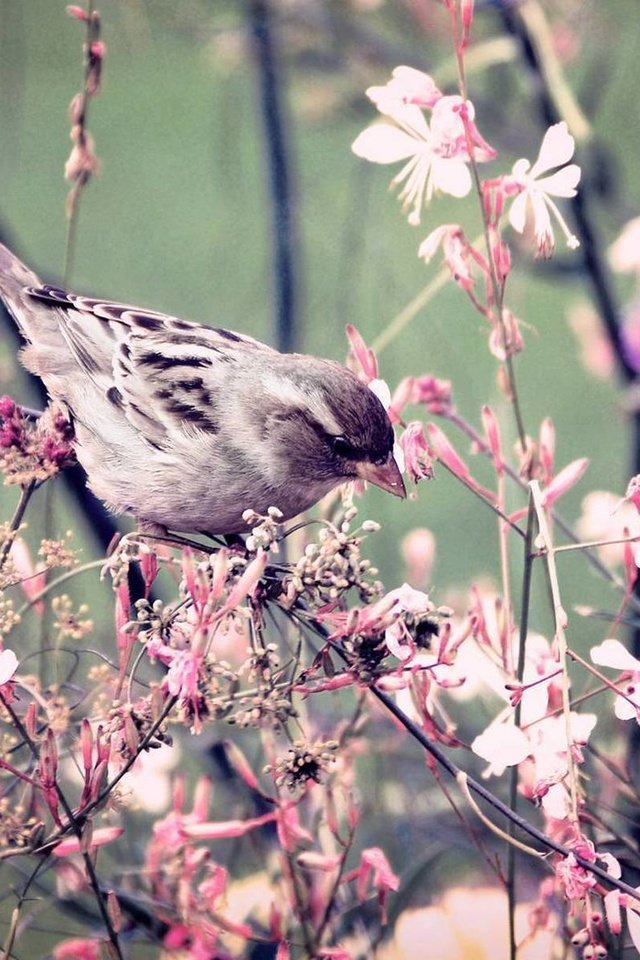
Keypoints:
pixel 78 948
pixel 468 923
pixel 596 353
pixel 624 252
pixel 534 202
pixel 605 517
pixel 418 550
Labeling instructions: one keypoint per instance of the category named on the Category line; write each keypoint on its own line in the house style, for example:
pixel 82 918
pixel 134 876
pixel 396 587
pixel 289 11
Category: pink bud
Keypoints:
pixel 248 581
pixel 446 453
pixel 492 433
pixel 563 481
pixel 361 358
pixel 202 798
pixel 241 765
pixel 226 829
pixel 99 838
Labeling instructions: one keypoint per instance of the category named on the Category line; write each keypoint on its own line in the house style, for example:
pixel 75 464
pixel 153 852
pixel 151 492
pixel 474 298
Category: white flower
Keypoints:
pixel 611 653
pixel 435 151
pixel 536 190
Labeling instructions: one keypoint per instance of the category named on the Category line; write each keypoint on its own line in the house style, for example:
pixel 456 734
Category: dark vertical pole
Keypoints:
pixel 279 174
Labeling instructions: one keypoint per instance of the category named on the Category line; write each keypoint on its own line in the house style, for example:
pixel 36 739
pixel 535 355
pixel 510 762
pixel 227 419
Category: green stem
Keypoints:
pixel 513 778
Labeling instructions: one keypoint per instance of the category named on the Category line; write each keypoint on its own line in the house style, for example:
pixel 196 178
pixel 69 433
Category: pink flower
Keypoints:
pixel 361 359
pixel 433 393
pixel 455 249
pixel 374 875
pixel 78 948
pixel 416 452
pixel 436 151
pixel 534 200
pixel 418 550
pixel 576 881
pixel 407 85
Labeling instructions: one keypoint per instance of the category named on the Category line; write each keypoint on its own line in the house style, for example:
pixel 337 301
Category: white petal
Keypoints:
pixel 503 745
pixel 382 392
pixel 385 143
pixel 430 244
pixel 624 710
pixel 8 665
pixel 612 653
pixel 518 212
pixel 557 149
pixel 451 176
pixel 407 116
pixel 633 922
pixel 555 802
pixel 562 183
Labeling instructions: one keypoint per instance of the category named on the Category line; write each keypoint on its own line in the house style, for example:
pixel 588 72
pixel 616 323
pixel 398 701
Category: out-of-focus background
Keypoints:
pixel 180 219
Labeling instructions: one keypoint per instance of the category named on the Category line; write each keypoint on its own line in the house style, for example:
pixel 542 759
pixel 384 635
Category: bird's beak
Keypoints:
pixel 385 475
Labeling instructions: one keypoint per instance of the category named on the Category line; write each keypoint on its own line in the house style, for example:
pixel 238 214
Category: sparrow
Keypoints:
pixel 187 426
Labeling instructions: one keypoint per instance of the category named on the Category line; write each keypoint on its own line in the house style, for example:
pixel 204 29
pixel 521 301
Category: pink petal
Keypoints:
pixel 385 143
pixel 73 845
pixel 564 480
pixel 612 653
pixel 556 149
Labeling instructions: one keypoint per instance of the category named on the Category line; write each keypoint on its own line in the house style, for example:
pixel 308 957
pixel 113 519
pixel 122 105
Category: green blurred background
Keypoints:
pixel 179 217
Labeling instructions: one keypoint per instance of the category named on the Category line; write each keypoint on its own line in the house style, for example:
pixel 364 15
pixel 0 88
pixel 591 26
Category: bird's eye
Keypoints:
pixel 343 448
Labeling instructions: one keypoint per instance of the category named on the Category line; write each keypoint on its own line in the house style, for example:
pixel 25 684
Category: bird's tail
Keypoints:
pixel 15 277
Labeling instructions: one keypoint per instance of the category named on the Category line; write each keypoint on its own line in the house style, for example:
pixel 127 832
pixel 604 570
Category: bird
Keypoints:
pixel 187 426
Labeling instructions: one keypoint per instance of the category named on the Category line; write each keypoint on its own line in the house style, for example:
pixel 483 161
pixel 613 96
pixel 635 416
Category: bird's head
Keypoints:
pixel 328 426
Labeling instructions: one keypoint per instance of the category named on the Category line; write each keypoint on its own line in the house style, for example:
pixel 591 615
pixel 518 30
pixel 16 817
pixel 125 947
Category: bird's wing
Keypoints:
pixel 162 373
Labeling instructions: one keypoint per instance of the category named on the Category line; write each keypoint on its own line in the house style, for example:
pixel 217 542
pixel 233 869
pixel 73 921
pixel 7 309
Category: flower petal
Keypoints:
pixel 612 653
pixel 556 149
pixel 562 183
pixel 451 175
pixel 8 665
pixel 518 212
pixel 384 142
